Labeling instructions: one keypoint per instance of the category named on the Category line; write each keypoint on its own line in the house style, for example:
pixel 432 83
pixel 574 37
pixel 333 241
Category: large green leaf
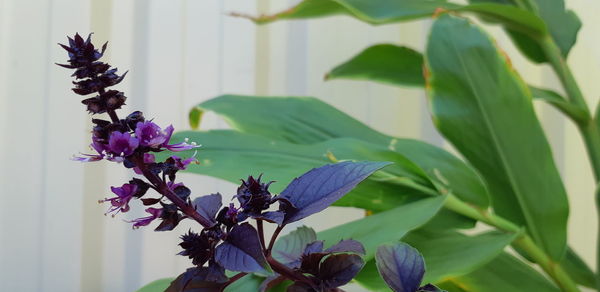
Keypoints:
pixel 375 230
pixel 248 283
pixel 383 63
pixel 156 286
pixel 447 254
pixel 388 11
pixel 562 24
pixel 304 120
pixel 232 155
pixel 481 105
pixel 504 273
pixel 401 66
pixel 578 270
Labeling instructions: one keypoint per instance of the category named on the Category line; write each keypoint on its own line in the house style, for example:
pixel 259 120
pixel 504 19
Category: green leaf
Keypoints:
pixel 577 114
pixel 374 12
pixel 578 270
pixel 388 11
pixel 384 63
pixel 248 283
pixel 156 286
pixel 473 87
pixel 303 120
pixel 401 66
pixel 504 273
pixel 453 254
pixel 232 155
pixel 373 231
pixel 562 24
pixel 290 247
pixel 447 254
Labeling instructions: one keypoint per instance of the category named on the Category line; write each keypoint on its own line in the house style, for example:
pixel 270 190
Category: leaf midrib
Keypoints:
pixel 503 159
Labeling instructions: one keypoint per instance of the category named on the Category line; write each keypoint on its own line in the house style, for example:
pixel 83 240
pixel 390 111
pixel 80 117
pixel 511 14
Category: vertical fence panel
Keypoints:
pixel 63 181
pixel 23 158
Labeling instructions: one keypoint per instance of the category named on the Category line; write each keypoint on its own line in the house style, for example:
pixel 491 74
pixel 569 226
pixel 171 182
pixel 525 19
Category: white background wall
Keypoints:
pixel 53 236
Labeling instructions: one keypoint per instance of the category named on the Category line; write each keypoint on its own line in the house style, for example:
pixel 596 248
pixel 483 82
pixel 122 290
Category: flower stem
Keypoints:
pixel 273 238
pixel 523 241
pixel 233 279
pixel 167 192
pixel 261 233
pixel 287 272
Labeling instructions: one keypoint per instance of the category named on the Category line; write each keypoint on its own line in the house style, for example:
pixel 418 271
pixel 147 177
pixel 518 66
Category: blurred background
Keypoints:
pixel 53 235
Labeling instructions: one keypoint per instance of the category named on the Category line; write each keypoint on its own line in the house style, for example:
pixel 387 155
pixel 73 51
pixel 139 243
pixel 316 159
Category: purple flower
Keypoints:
pixel 154 214
pixel 96 145
pixel 182 164
pixel 121 144
pixel 151 135
pixel 120 203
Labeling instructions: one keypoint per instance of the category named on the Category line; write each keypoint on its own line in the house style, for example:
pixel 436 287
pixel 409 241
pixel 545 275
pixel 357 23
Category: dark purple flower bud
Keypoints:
pixel 121 145
pixel 228 216
pixel 254 196
pixel 144 221
pixel 198 247
pixel 94 105
pixel 113 99
pixel 91 70
pixel 133 118
pixel 81 53
pixel 100 130
pixel 120 203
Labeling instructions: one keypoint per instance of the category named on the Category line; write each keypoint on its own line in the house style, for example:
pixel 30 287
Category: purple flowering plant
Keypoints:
pixel 228 247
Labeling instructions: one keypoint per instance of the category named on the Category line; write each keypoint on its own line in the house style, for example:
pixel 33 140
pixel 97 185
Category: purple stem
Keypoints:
pixel 261 234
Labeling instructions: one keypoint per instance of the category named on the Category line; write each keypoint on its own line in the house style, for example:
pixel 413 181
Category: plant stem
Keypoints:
pixel 261 233
pixel 167 192
pixel 588 128
pixel 523 241
pixel 233 279
pixel 273 238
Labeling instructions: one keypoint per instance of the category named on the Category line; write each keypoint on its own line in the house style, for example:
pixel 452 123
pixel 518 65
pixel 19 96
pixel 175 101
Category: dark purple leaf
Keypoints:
pixel 311 262
pixel 338 269
pixel 170 218
pixel 208 206
pixel 313 247
pixel 271 216
pixel 347 245
pixel 182 192
pixel 150 201
pixel 196 280
pixel 290 247
pixel 317 189
pixel 242 251
pixel 401 266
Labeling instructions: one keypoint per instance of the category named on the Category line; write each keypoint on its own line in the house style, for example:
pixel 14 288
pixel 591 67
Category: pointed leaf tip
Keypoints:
pixel 320 187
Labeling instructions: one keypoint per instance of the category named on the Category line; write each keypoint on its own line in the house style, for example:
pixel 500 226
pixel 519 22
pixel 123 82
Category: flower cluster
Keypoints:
pixel 227 241
pixel 131 141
